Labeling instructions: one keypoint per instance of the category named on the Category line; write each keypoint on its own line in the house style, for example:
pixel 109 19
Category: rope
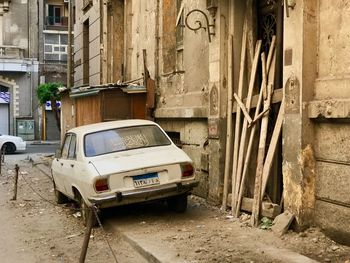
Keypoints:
pixel 94 209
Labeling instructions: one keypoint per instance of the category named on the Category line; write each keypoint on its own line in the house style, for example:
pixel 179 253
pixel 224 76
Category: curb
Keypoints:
pixel 146 254
pixel 149 254
pixel 42 142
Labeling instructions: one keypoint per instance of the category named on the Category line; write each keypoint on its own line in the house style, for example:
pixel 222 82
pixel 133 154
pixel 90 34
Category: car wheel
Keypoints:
pixel 60 198
pixel 9 147
pixel 178 203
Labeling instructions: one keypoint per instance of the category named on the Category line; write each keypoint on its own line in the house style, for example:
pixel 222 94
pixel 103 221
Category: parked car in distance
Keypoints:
pixel 12 144
pixel 121 162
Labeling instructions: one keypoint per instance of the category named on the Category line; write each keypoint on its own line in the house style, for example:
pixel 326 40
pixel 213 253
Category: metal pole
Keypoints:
pixel 16 183
pixel 87 236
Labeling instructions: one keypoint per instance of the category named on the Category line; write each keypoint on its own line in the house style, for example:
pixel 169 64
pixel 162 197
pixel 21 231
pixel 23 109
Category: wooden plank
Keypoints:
pixel 272 148
pixel 243 108
pixel 277 97
pixel 262 145
pixel 269 209
pixel 238 111
pixel 242 144
pixel 229 124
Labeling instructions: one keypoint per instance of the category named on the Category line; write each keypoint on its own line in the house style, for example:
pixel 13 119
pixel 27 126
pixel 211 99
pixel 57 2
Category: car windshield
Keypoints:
pixel 122 139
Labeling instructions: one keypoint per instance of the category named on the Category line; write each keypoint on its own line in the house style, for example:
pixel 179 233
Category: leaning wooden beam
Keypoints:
pixel 238 112
pixel 261 149
pixel 272 148
pixel 245 122
pixel 252 133
pixel 243 108
pixel 257 118
pixel 229 125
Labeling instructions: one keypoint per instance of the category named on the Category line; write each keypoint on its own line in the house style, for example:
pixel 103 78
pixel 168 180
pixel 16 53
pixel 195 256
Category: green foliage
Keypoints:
pixel 266 223
pixel 48 92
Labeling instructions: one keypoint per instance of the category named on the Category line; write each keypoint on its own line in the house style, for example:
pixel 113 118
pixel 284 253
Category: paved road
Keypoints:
pixel 41 148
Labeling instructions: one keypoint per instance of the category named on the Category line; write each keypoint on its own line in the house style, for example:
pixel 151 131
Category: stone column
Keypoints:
pixel 299 74
pixel 218 102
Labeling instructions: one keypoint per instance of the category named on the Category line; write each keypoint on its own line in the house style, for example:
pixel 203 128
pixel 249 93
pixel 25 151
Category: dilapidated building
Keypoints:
pixel 200 52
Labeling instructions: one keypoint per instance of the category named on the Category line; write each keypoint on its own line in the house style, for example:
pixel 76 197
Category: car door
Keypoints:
pixel 68 165
pixel 58 170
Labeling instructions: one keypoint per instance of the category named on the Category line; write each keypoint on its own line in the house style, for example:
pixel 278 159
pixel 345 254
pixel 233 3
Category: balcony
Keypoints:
pixel 56 23
pixel 11 52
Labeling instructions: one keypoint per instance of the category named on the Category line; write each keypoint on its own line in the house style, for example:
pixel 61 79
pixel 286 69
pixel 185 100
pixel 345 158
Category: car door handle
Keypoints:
pixel 61 164
pixel 72 165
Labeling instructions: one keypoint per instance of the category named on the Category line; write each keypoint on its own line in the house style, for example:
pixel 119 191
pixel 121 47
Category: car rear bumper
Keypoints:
pixel 144 194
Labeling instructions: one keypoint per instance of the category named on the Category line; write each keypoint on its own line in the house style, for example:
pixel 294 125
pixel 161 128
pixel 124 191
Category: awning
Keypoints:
pixel 94 90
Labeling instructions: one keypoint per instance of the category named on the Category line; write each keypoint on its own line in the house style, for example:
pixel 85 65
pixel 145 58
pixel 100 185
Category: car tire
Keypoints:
pixel 10 147
pixel 60 198
pixel 178 203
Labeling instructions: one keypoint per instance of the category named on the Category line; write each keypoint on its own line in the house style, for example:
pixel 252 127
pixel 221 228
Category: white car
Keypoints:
pixel 121 162
pixel 12 144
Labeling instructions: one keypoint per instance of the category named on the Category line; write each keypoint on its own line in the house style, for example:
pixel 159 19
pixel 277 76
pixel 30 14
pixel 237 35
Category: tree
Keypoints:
pixel 49 92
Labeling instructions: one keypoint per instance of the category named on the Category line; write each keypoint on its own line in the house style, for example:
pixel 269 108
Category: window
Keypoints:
pixel 65 147
pixel 72 147
pixel 54 15
pixel 122 139
pixel 180 22
pixel 56 47
pixel 180 26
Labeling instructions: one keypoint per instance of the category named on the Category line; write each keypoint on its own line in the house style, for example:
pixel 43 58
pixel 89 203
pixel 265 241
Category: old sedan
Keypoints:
pixel 12 144
pixel 121 162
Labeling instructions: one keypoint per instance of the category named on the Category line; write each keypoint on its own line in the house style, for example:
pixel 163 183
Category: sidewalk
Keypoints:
pixel 201 234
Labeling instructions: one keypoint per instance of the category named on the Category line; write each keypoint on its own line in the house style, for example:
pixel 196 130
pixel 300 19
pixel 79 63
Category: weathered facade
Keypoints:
pixel 18 68
pixel 193 70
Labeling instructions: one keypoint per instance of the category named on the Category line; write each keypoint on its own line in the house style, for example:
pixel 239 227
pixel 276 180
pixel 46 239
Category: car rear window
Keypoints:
pixel 122 139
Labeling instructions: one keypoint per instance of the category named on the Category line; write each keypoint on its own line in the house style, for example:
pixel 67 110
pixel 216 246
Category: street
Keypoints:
pixel 35 229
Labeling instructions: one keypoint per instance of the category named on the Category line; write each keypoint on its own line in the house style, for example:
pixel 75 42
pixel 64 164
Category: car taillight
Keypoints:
pixel 187 169
pixel 101 185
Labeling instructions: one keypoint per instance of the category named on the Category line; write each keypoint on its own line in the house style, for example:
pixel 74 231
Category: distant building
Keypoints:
pixel 33 50
pixel 53 45
pixel 18 68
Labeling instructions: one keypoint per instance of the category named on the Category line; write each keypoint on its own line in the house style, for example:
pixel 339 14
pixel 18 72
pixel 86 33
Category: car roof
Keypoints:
pixel 109 125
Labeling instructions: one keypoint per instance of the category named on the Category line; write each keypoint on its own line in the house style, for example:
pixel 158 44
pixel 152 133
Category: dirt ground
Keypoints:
pixel 34 229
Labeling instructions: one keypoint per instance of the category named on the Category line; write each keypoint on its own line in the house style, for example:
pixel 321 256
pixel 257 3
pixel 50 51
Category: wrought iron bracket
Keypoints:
pixel 209 28
pixel 289 4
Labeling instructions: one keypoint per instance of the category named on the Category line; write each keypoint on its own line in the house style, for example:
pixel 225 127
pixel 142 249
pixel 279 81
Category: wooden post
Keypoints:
pixel 229 124
pixel 16 183
pixel 262 145
pixel 87 236
pixel 238 113
pixel 272 148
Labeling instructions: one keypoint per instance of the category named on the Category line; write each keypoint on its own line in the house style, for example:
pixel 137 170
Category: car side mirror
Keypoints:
pixel 58 153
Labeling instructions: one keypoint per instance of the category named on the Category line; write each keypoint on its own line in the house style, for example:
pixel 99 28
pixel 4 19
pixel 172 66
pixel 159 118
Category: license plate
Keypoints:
pixel 146 179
